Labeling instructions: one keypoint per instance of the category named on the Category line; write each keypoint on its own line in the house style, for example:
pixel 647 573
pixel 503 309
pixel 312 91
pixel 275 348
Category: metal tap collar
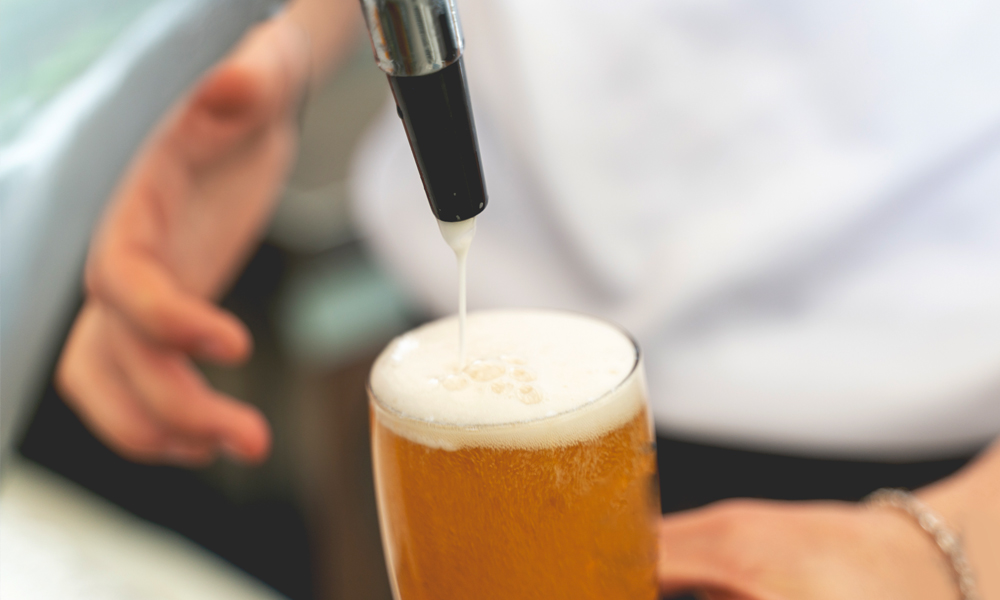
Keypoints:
pixel 413 37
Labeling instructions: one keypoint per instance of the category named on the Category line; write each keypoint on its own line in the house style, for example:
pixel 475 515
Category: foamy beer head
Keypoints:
pixel 529 472
pixel 523 367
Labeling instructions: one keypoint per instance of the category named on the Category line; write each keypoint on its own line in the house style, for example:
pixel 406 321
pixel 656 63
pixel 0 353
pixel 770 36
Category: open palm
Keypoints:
pixel 184 219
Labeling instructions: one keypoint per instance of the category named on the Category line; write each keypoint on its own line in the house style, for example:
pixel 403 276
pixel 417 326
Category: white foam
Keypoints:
pixel 532 378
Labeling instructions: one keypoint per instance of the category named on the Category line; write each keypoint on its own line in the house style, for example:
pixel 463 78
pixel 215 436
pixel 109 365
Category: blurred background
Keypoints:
pixel 790 205
pixel 317 305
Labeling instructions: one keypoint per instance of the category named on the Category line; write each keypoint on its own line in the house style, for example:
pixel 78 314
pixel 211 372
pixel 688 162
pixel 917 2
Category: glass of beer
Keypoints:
pixel 529 471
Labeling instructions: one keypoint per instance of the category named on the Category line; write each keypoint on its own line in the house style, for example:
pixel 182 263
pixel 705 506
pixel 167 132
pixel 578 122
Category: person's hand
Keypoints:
pixel 184 219
pixel 759 550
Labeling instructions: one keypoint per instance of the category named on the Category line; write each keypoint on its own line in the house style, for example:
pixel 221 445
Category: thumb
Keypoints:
pixel 275 55
pixel 684 549
pixel 711 549
pixel 263 79
pixel 227 106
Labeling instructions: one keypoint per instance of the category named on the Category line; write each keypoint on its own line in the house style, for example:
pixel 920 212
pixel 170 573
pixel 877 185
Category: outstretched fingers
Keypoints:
pixel 147 297
pixel 90 381
pixel 169 387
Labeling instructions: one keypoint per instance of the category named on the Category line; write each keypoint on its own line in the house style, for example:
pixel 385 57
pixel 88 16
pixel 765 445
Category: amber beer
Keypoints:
pixel 477 502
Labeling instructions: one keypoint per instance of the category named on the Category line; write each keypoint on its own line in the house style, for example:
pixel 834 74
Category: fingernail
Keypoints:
pixel 181 454
pixel 212 348
pixel 232 450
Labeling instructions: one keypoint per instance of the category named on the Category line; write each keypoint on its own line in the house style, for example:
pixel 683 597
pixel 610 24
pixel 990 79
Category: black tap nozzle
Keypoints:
pixel 418 44
pixel 437 116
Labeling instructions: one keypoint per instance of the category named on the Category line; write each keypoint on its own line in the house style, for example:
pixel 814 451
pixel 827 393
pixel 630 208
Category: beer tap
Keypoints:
pixel 418 44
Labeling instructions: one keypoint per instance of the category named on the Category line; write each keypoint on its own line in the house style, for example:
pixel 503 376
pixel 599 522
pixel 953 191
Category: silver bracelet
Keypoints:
pixel 931 522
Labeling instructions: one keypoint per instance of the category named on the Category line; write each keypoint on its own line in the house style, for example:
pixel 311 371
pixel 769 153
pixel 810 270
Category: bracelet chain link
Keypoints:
pixel 946 539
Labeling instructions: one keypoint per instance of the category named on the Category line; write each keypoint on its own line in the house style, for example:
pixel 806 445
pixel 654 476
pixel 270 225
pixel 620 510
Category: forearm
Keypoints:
pixel 970 502
pixel 330 27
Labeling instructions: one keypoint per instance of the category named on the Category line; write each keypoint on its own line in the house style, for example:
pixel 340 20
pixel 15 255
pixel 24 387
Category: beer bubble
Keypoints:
pixel 453 383
pixel 500 387
pixel 484 371
pixel 522 375
pixel 528 395
pixel 507 358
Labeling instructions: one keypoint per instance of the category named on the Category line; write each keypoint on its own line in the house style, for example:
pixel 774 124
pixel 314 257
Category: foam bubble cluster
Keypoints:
pixel 522 366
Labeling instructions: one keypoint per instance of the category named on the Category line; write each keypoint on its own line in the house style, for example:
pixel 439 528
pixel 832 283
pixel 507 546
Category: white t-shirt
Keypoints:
pixel 795 207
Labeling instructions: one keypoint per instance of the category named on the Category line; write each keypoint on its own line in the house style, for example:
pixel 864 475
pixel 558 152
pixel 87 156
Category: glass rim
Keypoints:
pixel 633 370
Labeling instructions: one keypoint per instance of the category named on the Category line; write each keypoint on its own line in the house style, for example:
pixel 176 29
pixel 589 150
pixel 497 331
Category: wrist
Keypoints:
pixel 935 528
pixel 972 491
pixel 916 553
pixel 970 502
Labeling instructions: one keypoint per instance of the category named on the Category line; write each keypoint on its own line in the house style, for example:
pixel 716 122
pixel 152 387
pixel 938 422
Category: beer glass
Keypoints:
pixel 480 506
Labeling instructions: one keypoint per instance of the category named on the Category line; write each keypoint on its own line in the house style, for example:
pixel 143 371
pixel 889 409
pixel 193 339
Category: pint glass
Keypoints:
pixel 529 471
